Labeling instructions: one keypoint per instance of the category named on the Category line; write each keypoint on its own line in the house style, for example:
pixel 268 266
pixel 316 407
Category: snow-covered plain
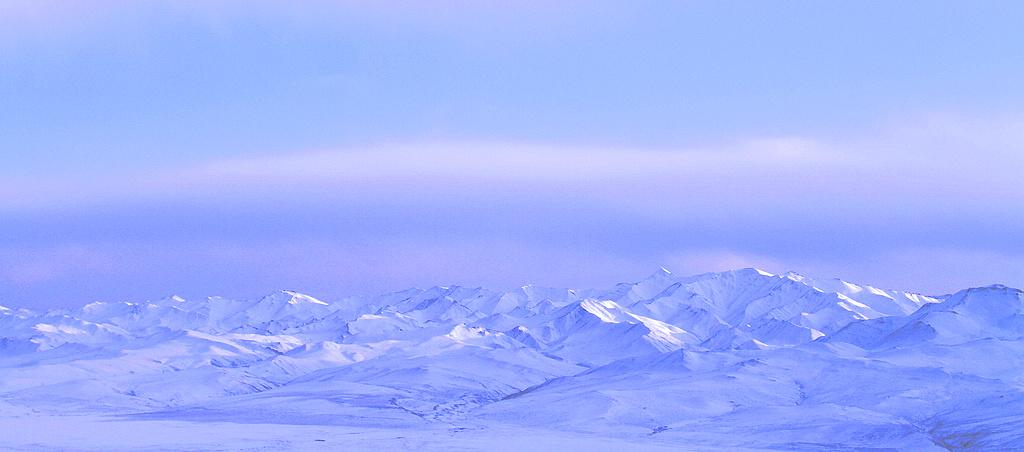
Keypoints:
pixel 740 360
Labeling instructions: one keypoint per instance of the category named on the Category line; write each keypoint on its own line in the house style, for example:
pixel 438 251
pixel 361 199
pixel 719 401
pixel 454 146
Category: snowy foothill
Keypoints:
pixel 738 360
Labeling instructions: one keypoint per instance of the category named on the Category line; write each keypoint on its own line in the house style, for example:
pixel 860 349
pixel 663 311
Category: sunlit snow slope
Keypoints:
pixel 735 359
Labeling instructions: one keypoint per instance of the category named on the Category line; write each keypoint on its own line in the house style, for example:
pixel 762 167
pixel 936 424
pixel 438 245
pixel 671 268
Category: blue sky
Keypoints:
pixel 358 147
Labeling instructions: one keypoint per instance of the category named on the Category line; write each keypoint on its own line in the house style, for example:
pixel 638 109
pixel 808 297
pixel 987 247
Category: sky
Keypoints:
pixel 233 148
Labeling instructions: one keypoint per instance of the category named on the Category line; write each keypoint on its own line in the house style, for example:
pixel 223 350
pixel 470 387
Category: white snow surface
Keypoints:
pixel 739 360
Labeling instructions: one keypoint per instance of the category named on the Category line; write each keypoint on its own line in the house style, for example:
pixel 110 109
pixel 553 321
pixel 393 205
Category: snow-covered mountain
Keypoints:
pixel 740 359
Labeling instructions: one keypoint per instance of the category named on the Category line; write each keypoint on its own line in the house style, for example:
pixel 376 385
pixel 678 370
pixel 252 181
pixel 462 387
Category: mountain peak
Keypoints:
pixel 793 275
pixel 292 298
pixel 755 270
pixel 996 287
pixel 662 274
pixel 173 299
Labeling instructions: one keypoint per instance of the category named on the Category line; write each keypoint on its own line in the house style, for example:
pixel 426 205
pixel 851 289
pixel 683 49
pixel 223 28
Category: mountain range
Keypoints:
pixel 738 360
